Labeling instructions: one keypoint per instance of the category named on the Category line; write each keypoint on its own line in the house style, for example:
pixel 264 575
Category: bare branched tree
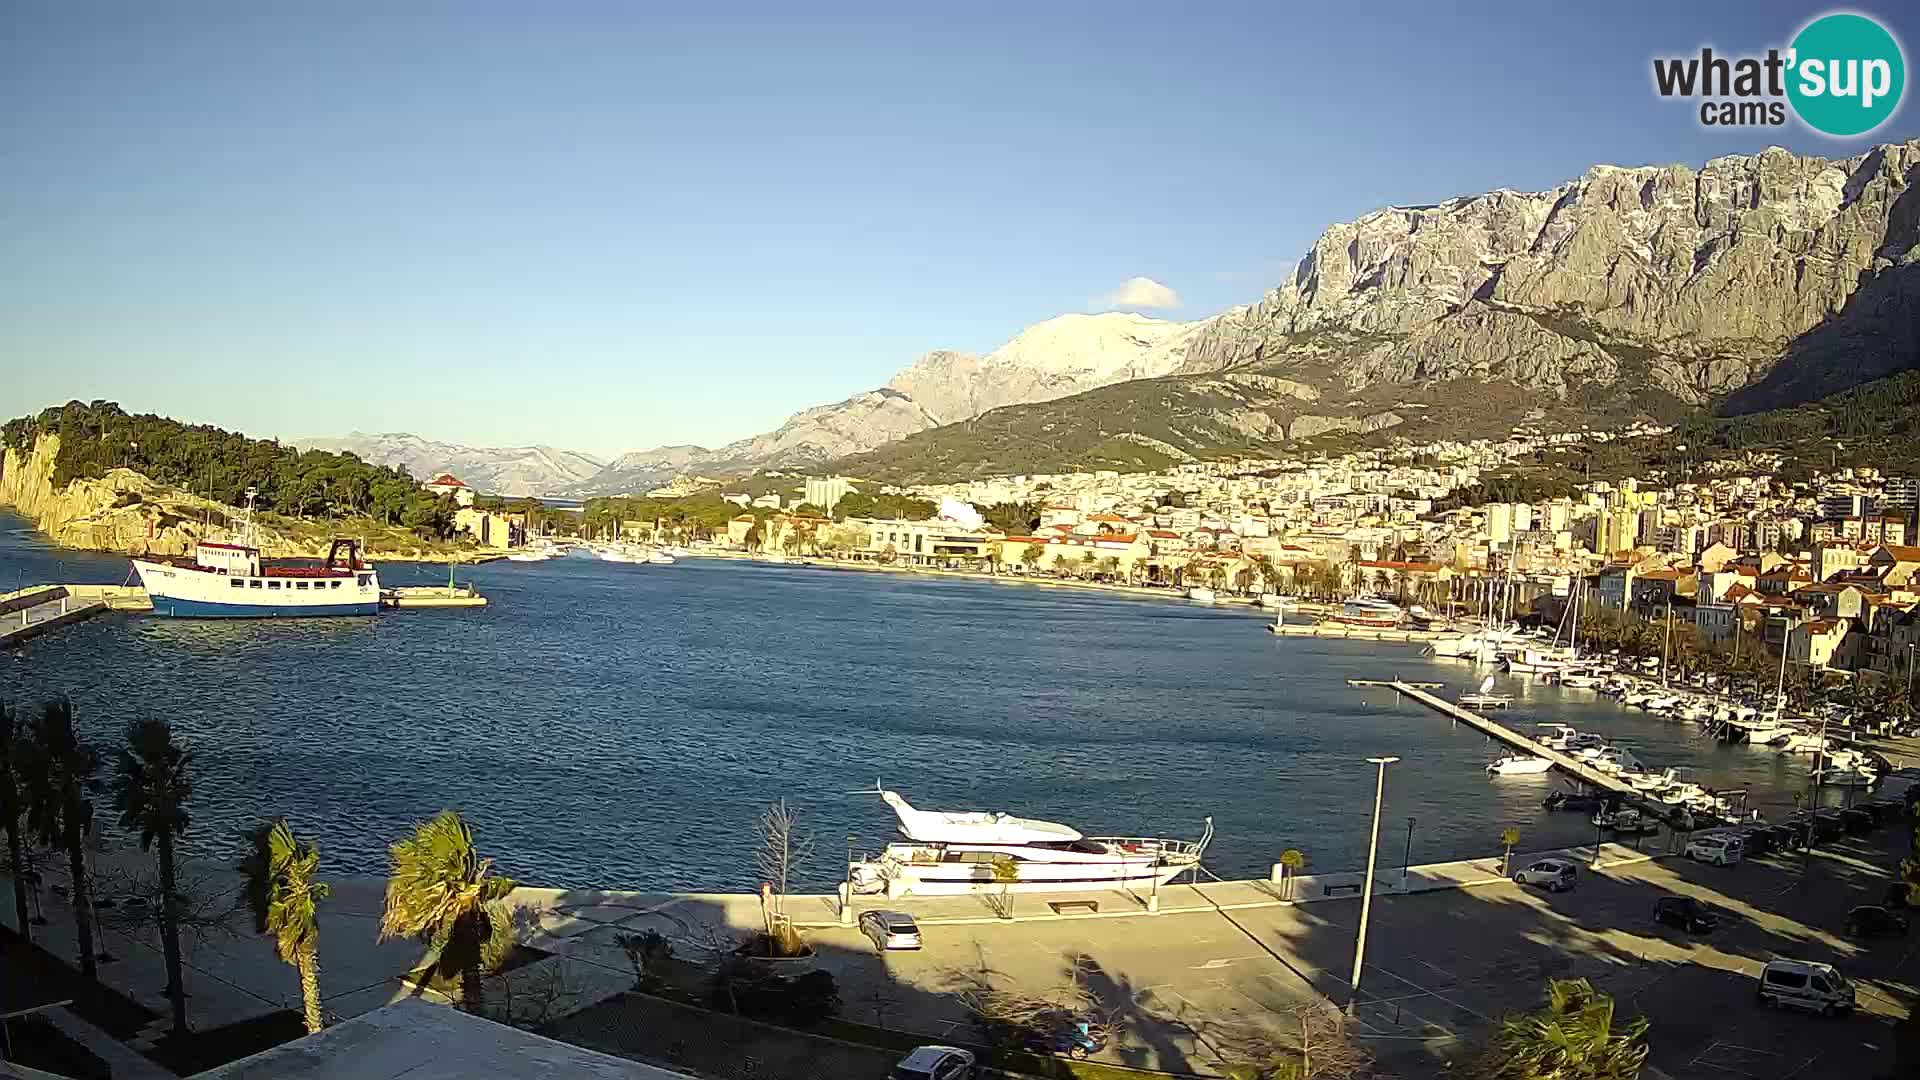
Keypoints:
pixel 204 904
pixel 1311 1042
pixel 1001 1007
pixel 535 996
pixel 782 850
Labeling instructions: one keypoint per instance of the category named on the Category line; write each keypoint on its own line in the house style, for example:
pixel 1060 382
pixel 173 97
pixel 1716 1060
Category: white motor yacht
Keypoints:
pixel 951 853
pixel 1555 736
pixel 1518 765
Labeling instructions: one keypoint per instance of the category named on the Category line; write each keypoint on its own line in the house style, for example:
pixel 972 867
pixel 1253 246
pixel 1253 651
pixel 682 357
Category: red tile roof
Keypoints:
pixel 445 479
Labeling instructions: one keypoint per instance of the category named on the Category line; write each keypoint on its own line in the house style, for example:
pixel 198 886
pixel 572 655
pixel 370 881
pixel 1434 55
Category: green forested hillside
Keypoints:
pixel 206 460
pixel 1875 423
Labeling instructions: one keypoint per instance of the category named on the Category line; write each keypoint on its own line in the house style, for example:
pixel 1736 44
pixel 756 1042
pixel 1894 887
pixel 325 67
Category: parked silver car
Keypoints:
pixel 935 1063
pixel 1553 875
pixel 890 929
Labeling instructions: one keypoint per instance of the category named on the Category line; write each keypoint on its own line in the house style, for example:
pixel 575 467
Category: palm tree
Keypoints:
pixel 1031 554
pixel 285 900
pixel 15 766
pixel 1293 859
pixel 1573 1038
pixel 151 793
pixel 442 892
pixel 59 813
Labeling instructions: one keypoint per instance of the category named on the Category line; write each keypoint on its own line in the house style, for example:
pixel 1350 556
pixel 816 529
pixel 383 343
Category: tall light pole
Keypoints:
pixel 1366 896
pixel 1407 859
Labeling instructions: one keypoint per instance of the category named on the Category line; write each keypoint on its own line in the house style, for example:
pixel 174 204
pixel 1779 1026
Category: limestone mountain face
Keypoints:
pixel 1057 358
pixel 1061 356
pixel 1697 283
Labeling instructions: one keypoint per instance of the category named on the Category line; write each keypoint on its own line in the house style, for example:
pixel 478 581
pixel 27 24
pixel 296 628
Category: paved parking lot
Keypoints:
pixel 1443 966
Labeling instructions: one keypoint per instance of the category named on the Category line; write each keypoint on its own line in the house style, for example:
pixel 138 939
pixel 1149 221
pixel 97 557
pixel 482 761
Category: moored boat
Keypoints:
pixel 1518 765
pixel 953 853
pixel 231 580
pixel 1368 612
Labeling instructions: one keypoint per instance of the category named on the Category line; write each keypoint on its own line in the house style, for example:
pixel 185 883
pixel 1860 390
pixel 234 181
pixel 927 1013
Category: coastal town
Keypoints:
pixel 959 542
pixel 1826 567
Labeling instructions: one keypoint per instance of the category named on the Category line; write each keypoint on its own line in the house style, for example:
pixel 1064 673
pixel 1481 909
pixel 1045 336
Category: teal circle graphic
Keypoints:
pixel 1848 74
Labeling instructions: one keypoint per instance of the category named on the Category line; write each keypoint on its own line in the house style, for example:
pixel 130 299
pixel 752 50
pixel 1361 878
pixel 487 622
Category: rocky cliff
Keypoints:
pixel 125 511
pixel 1770 276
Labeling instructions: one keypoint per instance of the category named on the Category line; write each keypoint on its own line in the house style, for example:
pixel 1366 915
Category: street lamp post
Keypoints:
pixel 1366 896
pixel 1407 859
pixel 846 898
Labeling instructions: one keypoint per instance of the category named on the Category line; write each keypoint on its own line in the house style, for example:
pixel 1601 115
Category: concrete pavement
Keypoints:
pixel 1455 949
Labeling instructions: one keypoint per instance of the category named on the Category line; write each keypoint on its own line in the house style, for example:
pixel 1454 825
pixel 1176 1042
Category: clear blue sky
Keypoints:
pixel 608 226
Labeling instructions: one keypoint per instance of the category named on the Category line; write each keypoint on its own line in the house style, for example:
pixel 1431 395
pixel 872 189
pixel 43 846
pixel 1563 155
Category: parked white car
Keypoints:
pixel 1801 985
pixel 1716 849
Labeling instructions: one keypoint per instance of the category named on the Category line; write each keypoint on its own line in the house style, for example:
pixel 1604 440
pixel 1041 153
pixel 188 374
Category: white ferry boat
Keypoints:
pixel 952 853
pixel 233 581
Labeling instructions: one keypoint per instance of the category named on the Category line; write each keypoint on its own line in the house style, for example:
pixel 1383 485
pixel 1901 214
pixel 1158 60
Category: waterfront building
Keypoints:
pixel 928 543
pixel 738 527
pixel 490 529
pixel 449 484
pixel 827 492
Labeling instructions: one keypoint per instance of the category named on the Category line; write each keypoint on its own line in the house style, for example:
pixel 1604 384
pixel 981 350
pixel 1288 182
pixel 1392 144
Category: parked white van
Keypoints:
pixel 1802 985
pixel 1718 849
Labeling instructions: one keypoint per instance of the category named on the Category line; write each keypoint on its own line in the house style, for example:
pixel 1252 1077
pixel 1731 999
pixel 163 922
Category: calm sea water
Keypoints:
pixel 621 726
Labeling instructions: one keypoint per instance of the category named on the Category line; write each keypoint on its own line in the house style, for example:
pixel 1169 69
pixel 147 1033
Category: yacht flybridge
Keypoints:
pixel 953 852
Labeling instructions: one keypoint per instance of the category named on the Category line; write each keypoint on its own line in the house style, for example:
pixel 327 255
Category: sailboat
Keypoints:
pixel 1486 698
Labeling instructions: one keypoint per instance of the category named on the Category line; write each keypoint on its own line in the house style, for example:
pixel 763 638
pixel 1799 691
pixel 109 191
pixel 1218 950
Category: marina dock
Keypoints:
pixel 27 613
pixel 432 596
pixel 1566 763
pixel 1357 633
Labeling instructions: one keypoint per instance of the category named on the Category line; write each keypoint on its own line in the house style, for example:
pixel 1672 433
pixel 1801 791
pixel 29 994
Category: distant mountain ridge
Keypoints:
pixel 515 470
pixel 1059 357
pixel 1756 281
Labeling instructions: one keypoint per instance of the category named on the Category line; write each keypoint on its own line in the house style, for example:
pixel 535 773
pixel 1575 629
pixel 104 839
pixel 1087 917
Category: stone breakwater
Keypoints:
pixel 130 513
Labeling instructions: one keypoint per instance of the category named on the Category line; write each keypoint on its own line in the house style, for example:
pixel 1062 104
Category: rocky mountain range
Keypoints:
pixel 515 470
pixel 1754 281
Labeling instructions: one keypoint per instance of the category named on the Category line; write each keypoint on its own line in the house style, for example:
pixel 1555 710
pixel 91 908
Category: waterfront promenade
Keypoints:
pixel 1452 949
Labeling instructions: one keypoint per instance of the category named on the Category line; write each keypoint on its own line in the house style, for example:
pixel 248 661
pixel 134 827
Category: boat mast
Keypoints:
pixel 1664 641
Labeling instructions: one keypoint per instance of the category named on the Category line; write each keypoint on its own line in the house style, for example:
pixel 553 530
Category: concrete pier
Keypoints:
pixel 28 613
pixel 1566 763
pixel 1357 633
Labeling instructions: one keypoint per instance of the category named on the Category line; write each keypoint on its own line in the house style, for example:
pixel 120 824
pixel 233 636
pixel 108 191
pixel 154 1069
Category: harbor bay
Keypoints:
pixel 617 726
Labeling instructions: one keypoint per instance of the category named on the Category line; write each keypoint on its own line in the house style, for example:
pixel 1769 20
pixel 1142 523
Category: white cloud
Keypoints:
pixel 1143 292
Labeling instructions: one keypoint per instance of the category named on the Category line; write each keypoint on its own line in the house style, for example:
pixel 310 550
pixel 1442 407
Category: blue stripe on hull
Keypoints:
pixel 201 609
